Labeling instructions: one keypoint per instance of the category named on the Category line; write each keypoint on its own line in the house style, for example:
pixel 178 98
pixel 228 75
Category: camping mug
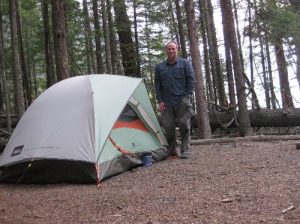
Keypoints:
pixel 147 159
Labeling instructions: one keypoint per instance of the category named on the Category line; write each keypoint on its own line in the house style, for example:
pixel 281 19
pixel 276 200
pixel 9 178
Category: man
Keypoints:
pixel 174 85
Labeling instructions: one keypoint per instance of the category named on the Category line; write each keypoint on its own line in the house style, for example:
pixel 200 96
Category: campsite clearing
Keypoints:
pixel 239 182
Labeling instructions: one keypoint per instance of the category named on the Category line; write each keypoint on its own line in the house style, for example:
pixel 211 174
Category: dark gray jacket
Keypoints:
pixel 174 81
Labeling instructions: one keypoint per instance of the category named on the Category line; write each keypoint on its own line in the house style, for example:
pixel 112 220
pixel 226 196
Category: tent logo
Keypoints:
pixel 17 150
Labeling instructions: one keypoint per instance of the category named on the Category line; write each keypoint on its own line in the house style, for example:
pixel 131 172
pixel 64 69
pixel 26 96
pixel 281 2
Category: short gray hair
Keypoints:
pixel 171 42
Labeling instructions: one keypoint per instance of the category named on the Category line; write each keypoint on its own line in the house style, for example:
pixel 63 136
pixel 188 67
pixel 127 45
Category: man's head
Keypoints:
pixel 172 51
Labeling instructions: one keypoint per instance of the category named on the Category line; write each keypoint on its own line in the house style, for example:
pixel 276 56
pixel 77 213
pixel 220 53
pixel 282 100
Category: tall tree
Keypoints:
pixel 99 59
pixel 51 79
pixel 264 74
pixel 3 76
pixel 172 25
pixel 136 37
pixel 238 34
pixel 24 66
pixel 296 6
pixel 273 95
pixel 277 30
pixel 251 58
pixel 125 38
pixel 60 39
pixel 286 96
pixel 214 54
pixel 244 122
pixel 201 104
pixel 180 30
pixel 18 83
pixel 209 85
pixel 116 64
pixel 91 66
pixel 106 37
pixel 228 58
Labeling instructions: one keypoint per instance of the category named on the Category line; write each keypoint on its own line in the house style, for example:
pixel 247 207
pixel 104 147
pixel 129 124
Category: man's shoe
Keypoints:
pixel 184 155
pixel 171 152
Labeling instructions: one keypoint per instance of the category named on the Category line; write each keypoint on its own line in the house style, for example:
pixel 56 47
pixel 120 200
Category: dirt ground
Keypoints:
pixel 237 182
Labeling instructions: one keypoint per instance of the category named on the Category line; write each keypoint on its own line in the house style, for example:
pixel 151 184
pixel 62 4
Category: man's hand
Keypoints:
pixel 162 106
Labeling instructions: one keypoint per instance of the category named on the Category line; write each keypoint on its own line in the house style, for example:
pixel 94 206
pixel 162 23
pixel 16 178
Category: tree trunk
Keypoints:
pixel 60 40
pixel 231 86
pixel 99 60
pixel 48 55
pixel 296 6
pixel 201 105
pixel 214 53
pixel 3 77
pixel 286 97
pixel 18 83
pixel 181 30
pixel 207 32
pixel 264 74
pixel 251 53
pixel 125 38
pixel 116 64
pixel 273 96
pixel 106 37
pixel 149 75
pixel 91 66
pixel 136 38
pixel 24 65
pixel 209 85
pixel 172 23
pixel 236 19
pixel 244 125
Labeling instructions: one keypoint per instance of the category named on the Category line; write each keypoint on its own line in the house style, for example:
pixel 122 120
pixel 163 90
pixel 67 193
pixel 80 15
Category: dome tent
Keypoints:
pixel 78 131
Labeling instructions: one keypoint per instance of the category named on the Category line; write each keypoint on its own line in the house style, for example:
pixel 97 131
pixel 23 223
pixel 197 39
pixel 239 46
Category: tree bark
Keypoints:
pixel 136 37
pixel 251 56
pixel 116 64
pixel 3 76
pixel 264 74
pixel 273 95
pixel 286 96
pixel 214 54
pixel 18 83
pixel 228 58
pixel 296 6
pixel 25 71
pixel 201 104
pixel 48 55
pixel 99 59
pixel 181 30
pixel 106 37
pixel 244 123
pixel 91 66
pixel 257 118
pixel 209 85
pixel 125 38
pixel 60 40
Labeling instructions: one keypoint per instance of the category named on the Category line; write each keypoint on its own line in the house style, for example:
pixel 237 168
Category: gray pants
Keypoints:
pixel 180 114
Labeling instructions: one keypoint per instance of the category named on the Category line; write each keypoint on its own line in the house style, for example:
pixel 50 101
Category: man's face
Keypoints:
pixel 171 51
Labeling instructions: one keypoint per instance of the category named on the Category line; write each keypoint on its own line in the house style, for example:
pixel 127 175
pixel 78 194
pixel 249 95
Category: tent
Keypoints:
pixel 82 130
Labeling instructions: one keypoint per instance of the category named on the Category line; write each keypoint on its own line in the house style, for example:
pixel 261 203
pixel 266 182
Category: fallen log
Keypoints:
pixel 256 138
pixel 258 118
pixel 230 119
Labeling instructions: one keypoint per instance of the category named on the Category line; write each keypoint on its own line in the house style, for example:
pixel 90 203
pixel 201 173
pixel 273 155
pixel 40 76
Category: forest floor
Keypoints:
pixel 234 182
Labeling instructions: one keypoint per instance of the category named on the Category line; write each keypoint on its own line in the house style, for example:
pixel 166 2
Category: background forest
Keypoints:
pixel 246 54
